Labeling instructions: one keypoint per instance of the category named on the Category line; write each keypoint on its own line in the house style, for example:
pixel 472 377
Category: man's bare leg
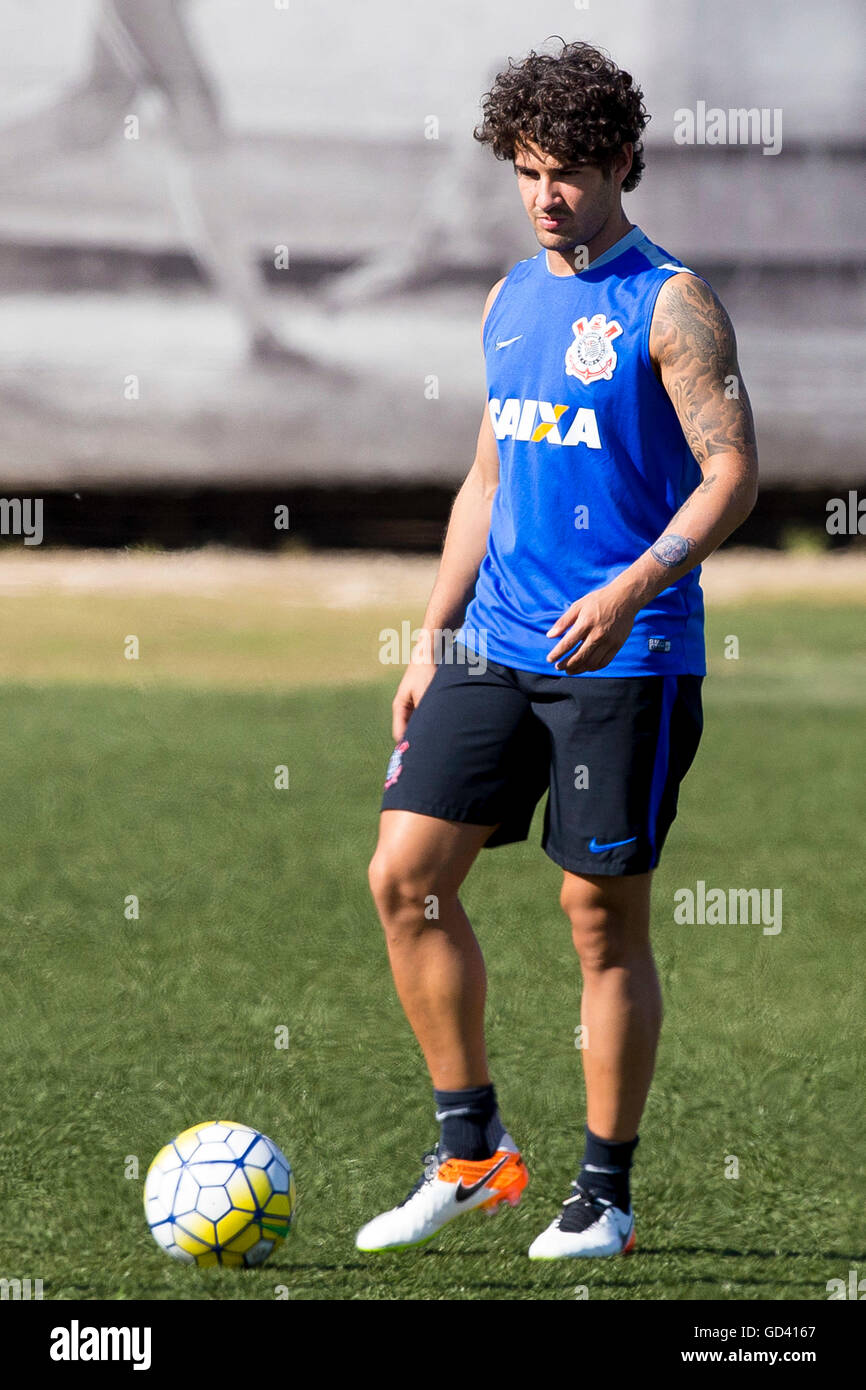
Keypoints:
pixel 416 872
pixel 621 1012
pixel 417 869
pixel 621 1007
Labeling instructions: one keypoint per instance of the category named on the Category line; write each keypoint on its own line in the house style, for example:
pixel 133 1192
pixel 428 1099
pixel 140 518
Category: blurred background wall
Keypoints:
pixel 233 260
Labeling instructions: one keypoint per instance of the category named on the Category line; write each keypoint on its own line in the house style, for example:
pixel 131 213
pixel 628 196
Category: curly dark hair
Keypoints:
pixel 575 105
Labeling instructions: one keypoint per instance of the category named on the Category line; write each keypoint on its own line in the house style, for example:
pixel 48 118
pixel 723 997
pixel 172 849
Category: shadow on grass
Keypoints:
pixel 729 1254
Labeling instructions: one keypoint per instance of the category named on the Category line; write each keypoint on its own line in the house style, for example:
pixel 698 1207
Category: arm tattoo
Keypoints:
pixel 705 486
pixel 694 350
pixel 671 551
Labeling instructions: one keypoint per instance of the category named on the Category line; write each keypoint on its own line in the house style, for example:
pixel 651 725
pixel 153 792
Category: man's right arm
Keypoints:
pixel 464 549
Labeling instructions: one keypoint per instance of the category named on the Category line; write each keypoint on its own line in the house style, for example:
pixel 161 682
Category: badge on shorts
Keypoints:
pixel 395 764
pixel 591 356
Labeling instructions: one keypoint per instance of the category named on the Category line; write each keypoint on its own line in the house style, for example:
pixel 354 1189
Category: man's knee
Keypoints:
pixel 404 894
pixel 607 930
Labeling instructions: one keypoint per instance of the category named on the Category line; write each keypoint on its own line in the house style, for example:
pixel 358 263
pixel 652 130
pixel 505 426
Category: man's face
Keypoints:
pixel 568 204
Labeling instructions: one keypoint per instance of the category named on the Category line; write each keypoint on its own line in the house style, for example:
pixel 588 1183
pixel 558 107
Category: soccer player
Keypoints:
pixel 616 451
pixel 146 44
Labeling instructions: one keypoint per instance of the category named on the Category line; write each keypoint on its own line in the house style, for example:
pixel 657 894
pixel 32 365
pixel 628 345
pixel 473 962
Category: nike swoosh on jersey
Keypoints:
pixel 596 848
pixel 462 1194
pixel 508 342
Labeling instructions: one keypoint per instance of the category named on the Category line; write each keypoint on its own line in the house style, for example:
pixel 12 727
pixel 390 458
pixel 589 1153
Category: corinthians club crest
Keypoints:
pixel 591 356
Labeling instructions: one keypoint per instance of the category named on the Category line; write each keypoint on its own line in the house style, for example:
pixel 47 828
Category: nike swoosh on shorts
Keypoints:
pixel 596 848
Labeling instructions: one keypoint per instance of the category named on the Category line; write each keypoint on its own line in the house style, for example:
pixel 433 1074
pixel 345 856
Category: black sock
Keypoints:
pixel 471 1127
pixel 604 1170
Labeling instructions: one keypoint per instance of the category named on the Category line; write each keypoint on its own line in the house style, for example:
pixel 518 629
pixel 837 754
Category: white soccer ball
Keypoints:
pixel 220 1194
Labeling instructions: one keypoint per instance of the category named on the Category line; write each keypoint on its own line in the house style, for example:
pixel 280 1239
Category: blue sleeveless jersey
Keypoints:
pixel 593 462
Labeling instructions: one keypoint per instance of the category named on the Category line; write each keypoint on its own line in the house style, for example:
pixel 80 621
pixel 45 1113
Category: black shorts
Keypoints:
pixel 483 746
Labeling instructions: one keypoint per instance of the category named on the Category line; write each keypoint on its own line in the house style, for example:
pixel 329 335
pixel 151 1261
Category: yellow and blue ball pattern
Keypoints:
pixel 220 1194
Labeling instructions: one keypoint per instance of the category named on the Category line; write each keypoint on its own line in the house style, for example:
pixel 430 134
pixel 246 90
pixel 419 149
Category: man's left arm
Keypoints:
pixel 694 352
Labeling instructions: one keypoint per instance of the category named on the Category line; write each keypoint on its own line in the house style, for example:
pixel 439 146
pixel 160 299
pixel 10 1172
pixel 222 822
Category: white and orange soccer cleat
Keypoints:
pixel 447 1188
pixel 587 1226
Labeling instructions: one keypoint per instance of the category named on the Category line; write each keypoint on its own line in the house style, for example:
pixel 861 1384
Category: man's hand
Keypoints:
pixel 601 621
pixel 417 677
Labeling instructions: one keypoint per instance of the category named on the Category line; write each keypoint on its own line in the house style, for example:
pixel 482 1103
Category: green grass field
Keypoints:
pixel 254 913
